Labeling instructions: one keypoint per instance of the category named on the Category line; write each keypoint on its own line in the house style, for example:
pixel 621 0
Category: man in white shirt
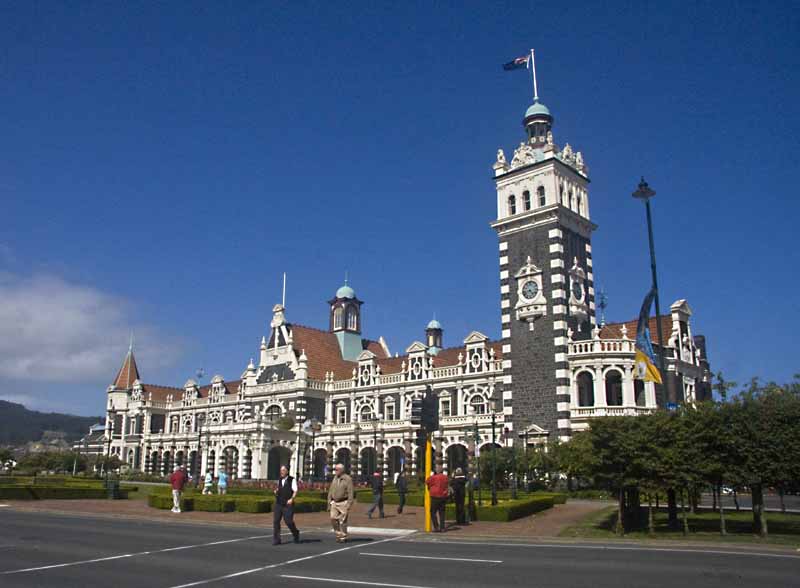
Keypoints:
pixel 285 494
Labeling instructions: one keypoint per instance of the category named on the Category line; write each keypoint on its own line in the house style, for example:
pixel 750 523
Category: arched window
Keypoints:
pixel 478 404
pixel 570 199
pixel 526 200
pixel 614 388
pixel 366 413
pixel 352 319
pixel 512 204
pixel 341 412
pixel 561 194
pixel 638 392
pixel 585 383
pixel 579 204
pixel 540 194
pixel 274 412
pixel 337 318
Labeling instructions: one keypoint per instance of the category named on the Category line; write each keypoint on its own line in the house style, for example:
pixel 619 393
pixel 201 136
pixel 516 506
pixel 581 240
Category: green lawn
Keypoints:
pixel 784 529
pixel 142 490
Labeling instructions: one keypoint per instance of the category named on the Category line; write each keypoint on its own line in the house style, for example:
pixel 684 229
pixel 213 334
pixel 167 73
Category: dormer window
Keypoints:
pixel 540 194
pixel 512 204
pixel 526 200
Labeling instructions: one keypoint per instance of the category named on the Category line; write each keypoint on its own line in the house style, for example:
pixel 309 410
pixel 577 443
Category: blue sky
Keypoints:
pixel 163 164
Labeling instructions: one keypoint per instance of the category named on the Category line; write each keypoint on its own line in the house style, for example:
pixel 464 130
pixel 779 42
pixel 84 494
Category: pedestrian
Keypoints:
pixel 222 482
pixel 285 495
pixel 208 482
pixel 459 486
pixel 340 498
pixel 402 488
pixel 438 488
pixel 177 480
pixel 377 494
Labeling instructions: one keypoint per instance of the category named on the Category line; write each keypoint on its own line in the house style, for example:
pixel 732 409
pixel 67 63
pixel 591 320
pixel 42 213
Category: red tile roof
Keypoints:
pixel 160 393
pixel 127 374
pixel 323 353
pixel 614 330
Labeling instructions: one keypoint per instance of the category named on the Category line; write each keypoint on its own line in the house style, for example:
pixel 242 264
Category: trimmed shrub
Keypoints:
pixel 164 502
pixel 52 493
pixel 214 503
pixel 253 505
pixel 412 498
pixel 302 504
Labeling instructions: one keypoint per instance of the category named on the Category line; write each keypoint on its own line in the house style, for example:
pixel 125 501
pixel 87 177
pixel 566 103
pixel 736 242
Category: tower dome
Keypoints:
pixel 538 123
pixel 434 324
pixel 345 292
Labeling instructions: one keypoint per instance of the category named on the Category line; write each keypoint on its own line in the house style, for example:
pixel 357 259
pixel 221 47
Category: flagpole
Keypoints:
pixel 533 69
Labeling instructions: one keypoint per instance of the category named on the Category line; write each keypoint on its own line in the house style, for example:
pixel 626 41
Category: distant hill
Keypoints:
pixel 18 425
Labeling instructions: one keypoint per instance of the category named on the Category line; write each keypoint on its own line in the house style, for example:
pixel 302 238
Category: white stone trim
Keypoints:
pixel 562 406
pixel 506 318
pixel 590 276
pixel 557 278
pixel 504 289
pixel 506 378
pixel 505 334
pixel 563 423
pixel 559 309
pixel 504 275
pixel 503 245
pixel 508 395
pixel 556 263
pixel 562 373
pixel 589 262
pixel 561 357
pixel 504 260
pixel 556 248
pixel 562 389
pixel 560 341
pixel 558 294
pixel 506 348
pixel 506 363
pixel 554 233
pixel 505 303
pixel 557 325
pixel 588 248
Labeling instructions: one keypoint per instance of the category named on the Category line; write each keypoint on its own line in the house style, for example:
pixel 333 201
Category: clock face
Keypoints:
pixel 577 289
pixel 530 289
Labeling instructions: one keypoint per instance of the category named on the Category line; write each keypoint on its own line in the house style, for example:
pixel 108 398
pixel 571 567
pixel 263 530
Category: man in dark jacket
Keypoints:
pixel 283 508
pixel 377 494
pixel 402 488
pixel 459 486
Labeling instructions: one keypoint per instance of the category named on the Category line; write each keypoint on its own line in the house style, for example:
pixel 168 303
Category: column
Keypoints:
pixel 599 388
pixel 628 396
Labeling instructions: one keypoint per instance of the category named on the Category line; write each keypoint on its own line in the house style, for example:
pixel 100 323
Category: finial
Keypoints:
pixel 130 346
pixel 345 277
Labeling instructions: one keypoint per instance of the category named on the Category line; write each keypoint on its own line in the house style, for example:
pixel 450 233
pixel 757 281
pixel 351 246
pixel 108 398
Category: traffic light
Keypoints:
pixel 416 411
pixel 430 411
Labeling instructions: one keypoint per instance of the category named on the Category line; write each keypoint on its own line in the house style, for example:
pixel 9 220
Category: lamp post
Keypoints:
pixel 376 419
pixel 110 436
pixel 527 463
pixel 494 453
pixel 509 435
pixel 198 460
pixel 477 438
pixel 645 193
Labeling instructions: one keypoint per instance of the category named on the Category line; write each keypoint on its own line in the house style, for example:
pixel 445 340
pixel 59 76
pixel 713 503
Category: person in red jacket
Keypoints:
pixel 438 486
pixel 178 481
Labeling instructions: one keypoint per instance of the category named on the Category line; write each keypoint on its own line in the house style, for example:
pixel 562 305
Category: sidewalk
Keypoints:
pixel 545 524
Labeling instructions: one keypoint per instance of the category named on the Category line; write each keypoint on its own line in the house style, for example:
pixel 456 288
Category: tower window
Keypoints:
pixel 561 194
pixel 526 200
pixel 579 203
pixel 352 319
pixel 540 194
pixel 512 204
pixel 337 318
pixel 570 199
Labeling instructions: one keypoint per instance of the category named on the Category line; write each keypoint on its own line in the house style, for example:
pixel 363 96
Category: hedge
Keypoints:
pixel 164 501
pixel 509 510
pixel 253 505
pixel 214 503
pixel 53 493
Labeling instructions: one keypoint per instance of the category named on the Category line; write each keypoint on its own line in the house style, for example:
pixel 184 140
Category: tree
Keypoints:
pixel 722 386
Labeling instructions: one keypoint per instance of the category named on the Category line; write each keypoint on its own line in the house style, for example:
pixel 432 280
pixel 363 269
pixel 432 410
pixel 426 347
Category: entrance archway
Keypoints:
pixel 319 465
pixel 211 464
pixel 167 464
pixel 457 458
pixel 230 461
pixel 395 459
pixel 278 456
pixel 369 463
pixel 343 457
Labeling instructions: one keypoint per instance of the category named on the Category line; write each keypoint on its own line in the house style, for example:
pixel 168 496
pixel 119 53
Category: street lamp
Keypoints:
pixel 198 454
pixel 510 436
pixel 645 193
pixel 376 419
pixel 110 436
pixel 493 406
pixel 477 439
pixel 311 427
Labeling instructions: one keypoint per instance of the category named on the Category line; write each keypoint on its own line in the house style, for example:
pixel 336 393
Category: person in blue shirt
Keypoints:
pixel 222 482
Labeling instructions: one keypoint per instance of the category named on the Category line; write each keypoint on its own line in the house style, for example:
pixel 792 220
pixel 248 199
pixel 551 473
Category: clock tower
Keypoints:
pixel 546 281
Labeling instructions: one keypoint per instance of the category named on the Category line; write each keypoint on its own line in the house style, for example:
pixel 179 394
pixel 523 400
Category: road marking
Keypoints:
pixel 280 564
pixel 350 581
pixel 379 531
pixel 126 555
pixel 695 551
pixel 4 505
pixel 432 557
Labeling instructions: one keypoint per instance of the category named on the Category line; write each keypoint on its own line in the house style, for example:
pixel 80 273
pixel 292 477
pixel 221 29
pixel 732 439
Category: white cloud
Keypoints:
pixel 52 330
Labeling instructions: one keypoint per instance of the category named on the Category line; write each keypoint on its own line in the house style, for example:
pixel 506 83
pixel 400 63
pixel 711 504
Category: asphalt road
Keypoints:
pixel 40 549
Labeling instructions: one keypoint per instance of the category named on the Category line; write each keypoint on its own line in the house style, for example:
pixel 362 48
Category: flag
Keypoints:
pixel 518 63
pixel 645 360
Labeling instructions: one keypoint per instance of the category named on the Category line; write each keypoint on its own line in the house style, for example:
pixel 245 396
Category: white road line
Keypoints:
pixel 4 505
pixel 281 564
pixel 350 581
pixel 432 557
pixel 126 555
pixel 695 551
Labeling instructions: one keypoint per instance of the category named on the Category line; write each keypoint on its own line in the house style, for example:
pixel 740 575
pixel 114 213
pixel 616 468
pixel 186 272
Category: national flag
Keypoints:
pixel 645 360
pixel 518 63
